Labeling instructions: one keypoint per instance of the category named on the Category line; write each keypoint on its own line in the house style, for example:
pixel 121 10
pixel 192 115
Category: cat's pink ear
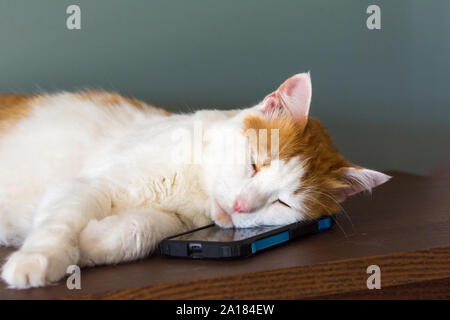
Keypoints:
pixel 358 180
pixel 293 96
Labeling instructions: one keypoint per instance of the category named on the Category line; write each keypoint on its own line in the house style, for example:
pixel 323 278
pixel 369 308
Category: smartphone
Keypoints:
pixel 213 242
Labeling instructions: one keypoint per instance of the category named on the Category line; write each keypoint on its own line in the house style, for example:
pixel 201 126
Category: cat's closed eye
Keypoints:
pixel 282 202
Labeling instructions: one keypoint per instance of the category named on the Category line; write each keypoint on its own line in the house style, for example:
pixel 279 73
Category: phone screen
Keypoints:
pixel 215 233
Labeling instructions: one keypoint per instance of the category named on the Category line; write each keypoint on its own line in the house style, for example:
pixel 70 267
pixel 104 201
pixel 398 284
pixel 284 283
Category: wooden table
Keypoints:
pixel 403 227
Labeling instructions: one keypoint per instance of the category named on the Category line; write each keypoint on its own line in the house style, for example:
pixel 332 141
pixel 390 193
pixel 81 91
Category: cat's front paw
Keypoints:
pixel 24 270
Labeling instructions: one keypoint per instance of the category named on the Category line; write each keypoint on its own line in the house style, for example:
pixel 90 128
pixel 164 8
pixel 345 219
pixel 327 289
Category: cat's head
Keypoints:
pixel 298 175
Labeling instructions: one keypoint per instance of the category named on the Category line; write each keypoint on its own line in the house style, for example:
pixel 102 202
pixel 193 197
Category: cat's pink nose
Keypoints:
pixel 240 206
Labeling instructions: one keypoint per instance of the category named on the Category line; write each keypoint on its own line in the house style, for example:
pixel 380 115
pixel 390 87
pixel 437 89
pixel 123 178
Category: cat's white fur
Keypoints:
pixel 81 183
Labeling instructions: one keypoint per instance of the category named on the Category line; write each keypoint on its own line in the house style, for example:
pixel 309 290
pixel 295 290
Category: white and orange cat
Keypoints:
pixel 89 178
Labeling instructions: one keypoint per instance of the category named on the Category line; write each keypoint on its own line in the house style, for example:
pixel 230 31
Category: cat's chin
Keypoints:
pixel 220 216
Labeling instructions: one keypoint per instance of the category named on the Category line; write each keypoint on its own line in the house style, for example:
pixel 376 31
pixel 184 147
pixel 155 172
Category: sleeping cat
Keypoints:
pixel 95 178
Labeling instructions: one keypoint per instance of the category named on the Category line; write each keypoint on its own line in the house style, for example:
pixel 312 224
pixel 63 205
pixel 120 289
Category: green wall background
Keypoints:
pixel 384 95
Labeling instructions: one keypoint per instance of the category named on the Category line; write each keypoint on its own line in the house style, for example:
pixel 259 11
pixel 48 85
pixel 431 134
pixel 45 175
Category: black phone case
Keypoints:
pixel 243 248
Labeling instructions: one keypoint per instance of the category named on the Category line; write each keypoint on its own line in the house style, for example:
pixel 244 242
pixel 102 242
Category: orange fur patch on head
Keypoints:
pixel 321 160
pixel 13 107
pixel 289 135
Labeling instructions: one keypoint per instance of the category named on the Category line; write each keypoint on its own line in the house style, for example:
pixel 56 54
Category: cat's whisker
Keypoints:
pixel 340 206
pixel 343 211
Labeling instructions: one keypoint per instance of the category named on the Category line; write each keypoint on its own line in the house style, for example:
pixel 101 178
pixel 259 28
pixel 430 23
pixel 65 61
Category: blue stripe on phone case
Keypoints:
pixel 270 241
pixel 324 223
pixel 258 245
